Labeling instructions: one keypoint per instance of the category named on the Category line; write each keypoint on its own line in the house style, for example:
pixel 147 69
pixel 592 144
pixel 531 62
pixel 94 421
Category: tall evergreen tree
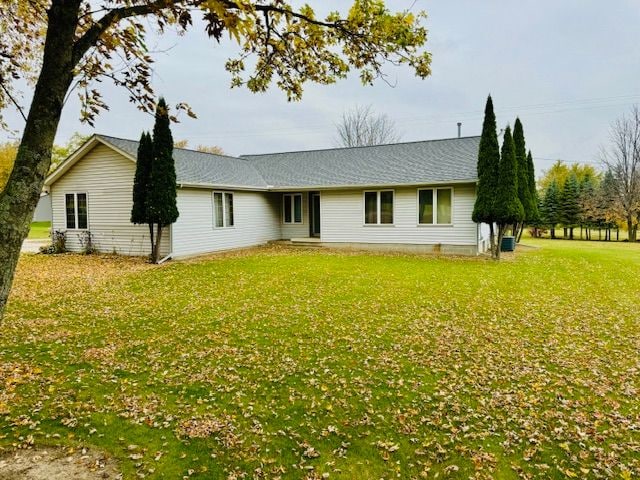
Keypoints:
pixel 588 201
pixel 608 212
pixel 162 208
pixel 523 175
pixel 141 179
pixel 488 164
pixel 551 207
pixel 534 213
pixel 570 204
pixel 508 208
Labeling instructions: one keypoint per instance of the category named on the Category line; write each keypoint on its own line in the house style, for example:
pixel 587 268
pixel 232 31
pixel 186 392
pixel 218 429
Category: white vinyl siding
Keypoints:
pixel 256 221
pixel 107 178
pixel 342 219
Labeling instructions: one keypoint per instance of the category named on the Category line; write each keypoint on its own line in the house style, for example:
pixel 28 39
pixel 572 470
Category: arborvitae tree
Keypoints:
pixel 488 164
pixel 162 209
pixel 551 207
pixel 570 204
pixel 523 175
pixel 508 208
pixel 534 213
pixel 141 179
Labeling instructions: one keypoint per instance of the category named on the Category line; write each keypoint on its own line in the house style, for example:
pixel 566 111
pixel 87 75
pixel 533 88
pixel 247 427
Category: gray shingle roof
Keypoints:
pixel 193 167
pixel 431 161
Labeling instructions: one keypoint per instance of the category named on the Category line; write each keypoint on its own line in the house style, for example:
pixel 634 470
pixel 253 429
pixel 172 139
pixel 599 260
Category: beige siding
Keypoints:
pixel 342 220
pixel 256 221
pixel 107 179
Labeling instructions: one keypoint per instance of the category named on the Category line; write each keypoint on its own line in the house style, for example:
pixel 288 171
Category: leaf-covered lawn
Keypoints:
pixel 280 363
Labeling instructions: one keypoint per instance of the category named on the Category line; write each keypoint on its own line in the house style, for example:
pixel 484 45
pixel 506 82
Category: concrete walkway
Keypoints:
pixel 33 245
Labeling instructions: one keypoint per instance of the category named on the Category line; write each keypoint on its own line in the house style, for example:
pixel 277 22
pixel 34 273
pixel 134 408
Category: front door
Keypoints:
pixel 315 214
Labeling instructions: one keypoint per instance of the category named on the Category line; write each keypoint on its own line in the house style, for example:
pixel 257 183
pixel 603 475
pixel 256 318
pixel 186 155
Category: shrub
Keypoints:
pixel 86 242
pixel 58 243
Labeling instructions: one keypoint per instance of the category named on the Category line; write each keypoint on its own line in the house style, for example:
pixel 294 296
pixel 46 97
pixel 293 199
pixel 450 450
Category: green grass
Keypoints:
pixel 298 363
pixel 39 230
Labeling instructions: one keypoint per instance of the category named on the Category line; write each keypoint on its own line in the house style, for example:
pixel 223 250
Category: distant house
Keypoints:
pixel 43 212
pixel 415 196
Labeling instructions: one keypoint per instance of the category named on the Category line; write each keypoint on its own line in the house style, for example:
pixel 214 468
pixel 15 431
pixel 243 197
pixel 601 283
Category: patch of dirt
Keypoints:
pixel 57 464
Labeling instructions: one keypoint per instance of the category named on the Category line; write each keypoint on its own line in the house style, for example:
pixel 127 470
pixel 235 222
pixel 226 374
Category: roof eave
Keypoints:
pixel 212 186
pixel 371 185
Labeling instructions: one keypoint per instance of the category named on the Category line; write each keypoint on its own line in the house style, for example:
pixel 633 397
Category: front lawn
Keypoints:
pixel 280 363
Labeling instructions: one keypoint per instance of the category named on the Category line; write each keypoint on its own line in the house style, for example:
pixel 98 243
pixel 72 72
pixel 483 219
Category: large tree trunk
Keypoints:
pixel 21 194
pixel 631 228
pixel 492 238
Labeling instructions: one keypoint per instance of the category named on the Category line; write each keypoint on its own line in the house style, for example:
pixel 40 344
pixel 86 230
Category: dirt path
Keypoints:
pixel 56 464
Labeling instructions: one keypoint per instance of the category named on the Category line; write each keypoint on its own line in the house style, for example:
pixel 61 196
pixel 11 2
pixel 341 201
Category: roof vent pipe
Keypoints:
pixel 459 129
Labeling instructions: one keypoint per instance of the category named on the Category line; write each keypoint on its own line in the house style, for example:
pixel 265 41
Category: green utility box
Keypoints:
pixel 508 244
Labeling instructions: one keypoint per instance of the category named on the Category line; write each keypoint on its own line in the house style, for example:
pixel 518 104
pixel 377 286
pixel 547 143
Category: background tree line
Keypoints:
pixel 582 197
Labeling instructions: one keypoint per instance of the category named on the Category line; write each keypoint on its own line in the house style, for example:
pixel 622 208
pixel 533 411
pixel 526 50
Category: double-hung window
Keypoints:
pixel 292 208
pixel 222 209
pixel 76 211
pixel 435 206
pixel 378 207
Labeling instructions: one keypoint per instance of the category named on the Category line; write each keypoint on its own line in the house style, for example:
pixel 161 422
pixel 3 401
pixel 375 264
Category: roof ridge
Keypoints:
pixel 244 156
pixel 176 148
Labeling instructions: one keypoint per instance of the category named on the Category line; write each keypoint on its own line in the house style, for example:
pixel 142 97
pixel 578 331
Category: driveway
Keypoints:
pixel 33 245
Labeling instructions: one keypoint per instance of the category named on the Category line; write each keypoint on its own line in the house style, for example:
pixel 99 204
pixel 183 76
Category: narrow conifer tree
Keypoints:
pixel 508 208
pixel 141 180
pixel 162 209
pixel 523 176
pixel 534 213
pixel 488 163
pixel 570 204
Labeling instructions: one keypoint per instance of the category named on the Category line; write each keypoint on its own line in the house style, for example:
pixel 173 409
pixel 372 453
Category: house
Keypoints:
pixel 43 212
pixel 415 196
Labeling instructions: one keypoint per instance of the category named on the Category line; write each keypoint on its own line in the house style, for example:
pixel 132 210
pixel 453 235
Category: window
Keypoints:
pixel 378 207
pixel 292 208
pixel 435 206
pixel 76 211
pixel 222 209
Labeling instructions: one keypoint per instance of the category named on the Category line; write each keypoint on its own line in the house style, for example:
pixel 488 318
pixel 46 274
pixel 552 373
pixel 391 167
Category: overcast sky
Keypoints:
pixel 567 68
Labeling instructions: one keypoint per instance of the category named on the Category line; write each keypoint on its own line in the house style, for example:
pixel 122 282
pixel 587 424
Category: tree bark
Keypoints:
pixel 501 230
pixel 155 257
pixel 22 192
pixel 492 239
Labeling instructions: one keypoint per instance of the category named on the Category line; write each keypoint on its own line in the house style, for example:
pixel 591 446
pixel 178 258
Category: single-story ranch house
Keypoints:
pixel 415 196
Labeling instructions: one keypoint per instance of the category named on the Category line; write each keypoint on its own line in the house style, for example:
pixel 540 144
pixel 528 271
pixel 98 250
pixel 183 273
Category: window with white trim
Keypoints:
pixel 378 207
pixel 292 208
pixel 435 206
pixel 222 209
pixel 76 211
